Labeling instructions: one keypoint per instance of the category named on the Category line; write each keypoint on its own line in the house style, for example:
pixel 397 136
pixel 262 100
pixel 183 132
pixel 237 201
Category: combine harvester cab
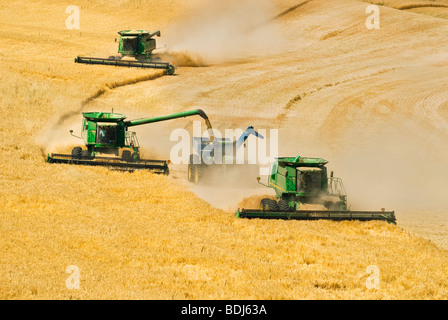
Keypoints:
pixel 107 134
pixel 301 183
pixel 218 157
pixel 135 48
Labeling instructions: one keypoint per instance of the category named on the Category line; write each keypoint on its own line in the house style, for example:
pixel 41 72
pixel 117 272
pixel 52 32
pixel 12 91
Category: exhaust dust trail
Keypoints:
pixel 55 136
pixel 224 31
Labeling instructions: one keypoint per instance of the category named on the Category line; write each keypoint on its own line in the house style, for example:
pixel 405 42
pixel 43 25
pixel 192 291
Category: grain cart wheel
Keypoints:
pixel 193 173
pixel 126 156
pixel 194 167
pixel 268 204
pixel 283 205
pixel 76 153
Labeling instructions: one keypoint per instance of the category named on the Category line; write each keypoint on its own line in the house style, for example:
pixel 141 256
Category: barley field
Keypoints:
pixel 374 102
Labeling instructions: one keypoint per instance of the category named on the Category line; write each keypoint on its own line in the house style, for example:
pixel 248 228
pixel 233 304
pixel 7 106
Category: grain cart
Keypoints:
pixel 301 182
pixel 203 162
pixel 135 48
pixel 106 133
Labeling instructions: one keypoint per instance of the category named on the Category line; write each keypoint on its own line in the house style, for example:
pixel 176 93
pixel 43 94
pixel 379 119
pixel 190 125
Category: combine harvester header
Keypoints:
pixel 303 182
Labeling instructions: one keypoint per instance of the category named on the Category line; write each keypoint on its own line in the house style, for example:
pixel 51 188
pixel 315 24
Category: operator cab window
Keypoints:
pixel 107 134
pixel 309 179
pixel 130 44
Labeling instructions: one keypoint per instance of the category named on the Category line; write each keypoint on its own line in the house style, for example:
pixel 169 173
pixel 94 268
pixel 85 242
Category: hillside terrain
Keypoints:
pixel 374 102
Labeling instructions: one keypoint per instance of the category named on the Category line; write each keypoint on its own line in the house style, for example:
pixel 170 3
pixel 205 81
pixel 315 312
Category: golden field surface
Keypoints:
pixel 374 102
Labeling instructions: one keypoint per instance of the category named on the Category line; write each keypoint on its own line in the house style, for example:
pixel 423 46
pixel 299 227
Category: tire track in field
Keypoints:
pixel 291 9
pixel 281 14
pixel 290 104
pixel 421 5
pixel 104 89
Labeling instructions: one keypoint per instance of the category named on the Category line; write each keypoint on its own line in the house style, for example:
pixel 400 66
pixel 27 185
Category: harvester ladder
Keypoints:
pixel 131 139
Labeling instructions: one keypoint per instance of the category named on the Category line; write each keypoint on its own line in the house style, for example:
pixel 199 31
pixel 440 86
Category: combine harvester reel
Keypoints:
pixel 300 181
pixel 107 133
pixel 203 165
pixel 135 48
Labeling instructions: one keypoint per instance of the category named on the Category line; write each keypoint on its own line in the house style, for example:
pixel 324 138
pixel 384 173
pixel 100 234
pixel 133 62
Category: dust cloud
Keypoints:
pixel 400 172
pixel 224 31
pixel 394 171
pixel 229 188
pixel 253 201
pixel 56 137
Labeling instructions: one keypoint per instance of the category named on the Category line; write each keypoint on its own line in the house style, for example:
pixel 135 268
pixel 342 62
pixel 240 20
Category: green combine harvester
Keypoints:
pixel 135 48
pixel 300 183
pixel 109 143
